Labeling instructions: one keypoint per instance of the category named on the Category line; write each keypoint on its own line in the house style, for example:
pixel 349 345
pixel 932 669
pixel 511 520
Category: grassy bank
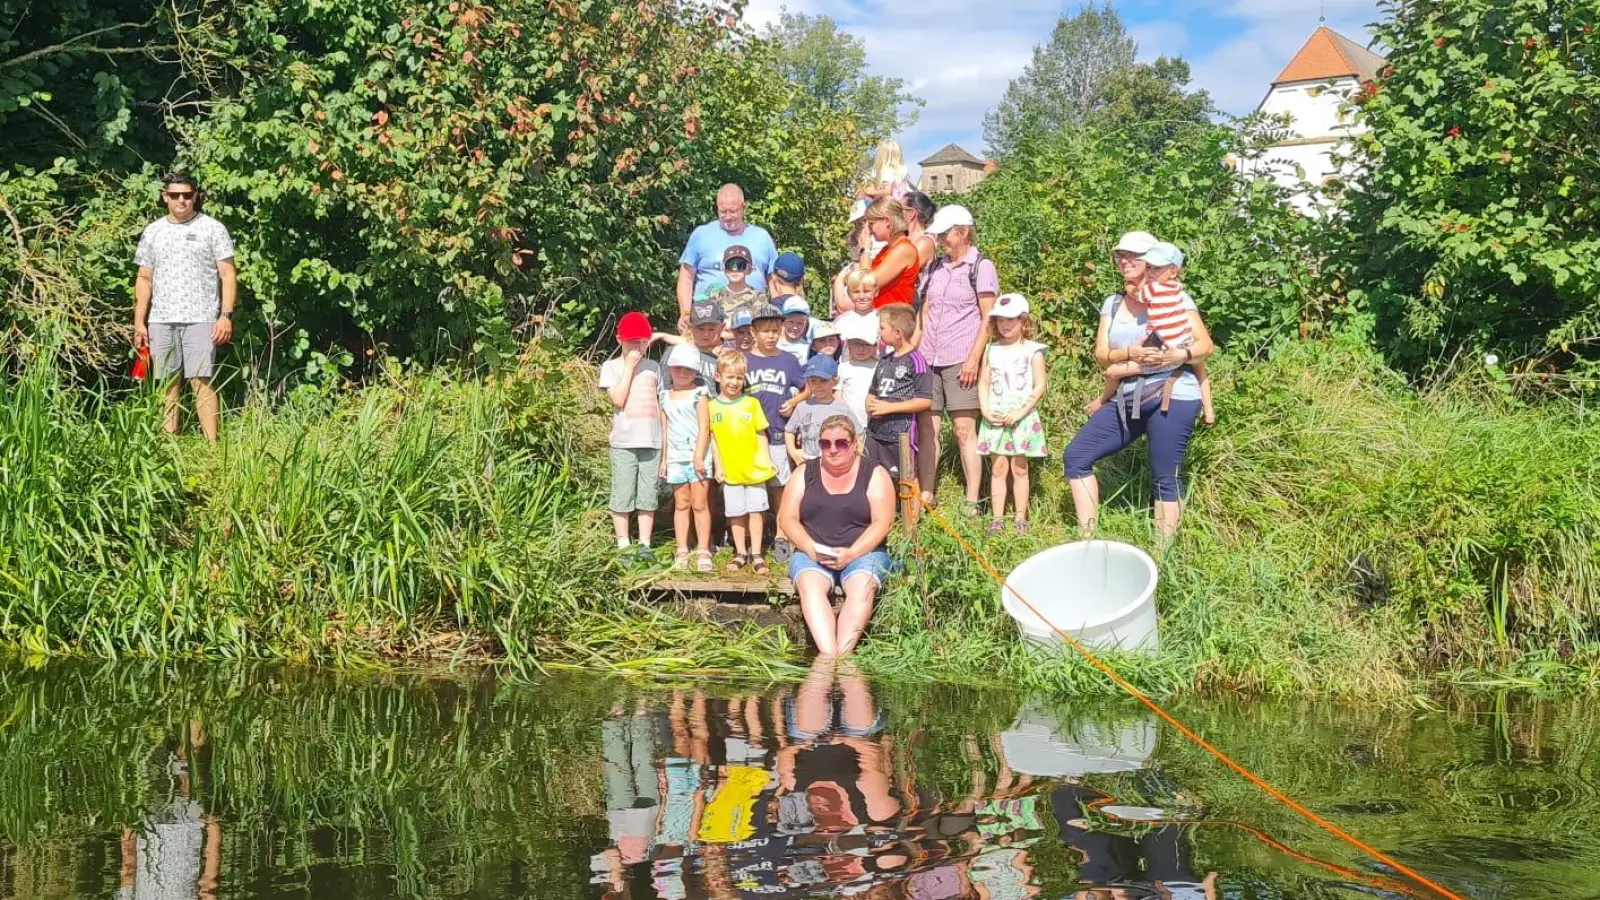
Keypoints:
pixel 420 517
pixel 1345 535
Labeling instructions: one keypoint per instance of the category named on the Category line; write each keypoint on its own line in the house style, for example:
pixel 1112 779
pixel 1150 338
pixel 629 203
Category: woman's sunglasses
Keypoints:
pixel 835 445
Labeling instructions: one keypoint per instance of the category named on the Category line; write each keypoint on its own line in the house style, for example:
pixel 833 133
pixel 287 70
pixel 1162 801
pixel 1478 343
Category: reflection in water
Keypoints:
pixel 802 793
pixel 149 781
pixel 176 851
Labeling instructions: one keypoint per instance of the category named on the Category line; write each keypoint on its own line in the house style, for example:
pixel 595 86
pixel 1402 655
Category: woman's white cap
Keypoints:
pixel 1010 306
pixel 949 217
pixel 1136 242
pixel 684 355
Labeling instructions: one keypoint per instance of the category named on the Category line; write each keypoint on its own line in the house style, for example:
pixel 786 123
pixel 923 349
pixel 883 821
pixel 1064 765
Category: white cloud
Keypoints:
pixel 959 56
pixel 1239 70
pixel 1160 39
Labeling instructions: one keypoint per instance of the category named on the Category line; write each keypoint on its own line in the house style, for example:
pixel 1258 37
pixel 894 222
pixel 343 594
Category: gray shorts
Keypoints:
pixel 949 395
pixel 634 473
pixel 781 462
pixel 182 348
pixel 744 499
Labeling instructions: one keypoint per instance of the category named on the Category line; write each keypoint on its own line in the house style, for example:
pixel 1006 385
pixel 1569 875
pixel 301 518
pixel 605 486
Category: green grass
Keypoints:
pixel 1345 534
pixel 420 517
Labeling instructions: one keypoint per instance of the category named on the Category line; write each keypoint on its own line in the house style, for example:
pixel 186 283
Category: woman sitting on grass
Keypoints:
pixel 837 511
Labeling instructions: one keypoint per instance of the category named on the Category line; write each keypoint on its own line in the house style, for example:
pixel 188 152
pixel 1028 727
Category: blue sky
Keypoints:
pixel 958 55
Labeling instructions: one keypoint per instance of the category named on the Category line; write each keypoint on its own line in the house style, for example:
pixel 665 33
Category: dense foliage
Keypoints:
pixel 1050 215
pixel 429 178
pixel 1476 228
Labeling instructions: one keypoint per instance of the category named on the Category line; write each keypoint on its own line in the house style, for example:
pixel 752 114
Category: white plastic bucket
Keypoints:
pixel 1039 744
pixel 1103 593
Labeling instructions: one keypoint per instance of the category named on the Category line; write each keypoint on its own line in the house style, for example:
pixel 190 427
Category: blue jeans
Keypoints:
pixel 875 564
pixel 1105 434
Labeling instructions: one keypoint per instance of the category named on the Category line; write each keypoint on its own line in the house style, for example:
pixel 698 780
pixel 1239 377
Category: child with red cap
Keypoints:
pixel 633 383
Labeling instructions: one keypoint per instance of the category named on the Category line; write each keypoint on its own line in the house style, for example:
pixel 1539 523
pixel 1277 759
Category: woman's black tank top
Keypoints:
pixel 836 520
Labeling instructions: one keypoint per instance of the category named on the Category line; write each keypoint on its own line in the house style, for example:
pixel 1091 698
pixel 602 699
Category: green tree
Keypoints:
pixel 1149 101
pixel 1062 84
pixel 90 80
pixel 1475 228
pixel 830 66
pixel 796 166
pixel 1051 214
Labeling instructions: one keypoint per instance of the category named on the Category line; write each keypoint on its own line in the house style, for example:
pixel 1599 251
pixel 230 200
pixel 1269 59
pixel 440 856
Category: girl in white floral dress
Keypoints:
pixel 1012 380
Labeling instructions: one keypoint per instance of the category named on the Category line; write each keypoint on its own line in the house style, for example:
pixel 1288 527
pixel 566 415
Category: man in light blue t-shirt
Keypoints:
pixel 700 267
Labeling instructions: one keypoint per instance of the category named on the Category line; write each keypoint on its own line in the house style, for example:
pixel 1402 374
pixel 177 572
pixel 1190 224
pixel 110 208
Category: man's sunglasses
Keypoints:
pixel 180 195
pixel 835 445
pixel 736 265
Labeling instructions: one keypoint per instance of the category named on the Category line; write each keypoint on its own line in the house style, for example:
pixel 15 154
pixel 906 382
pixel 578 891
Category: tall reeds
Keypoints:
pixel 405 519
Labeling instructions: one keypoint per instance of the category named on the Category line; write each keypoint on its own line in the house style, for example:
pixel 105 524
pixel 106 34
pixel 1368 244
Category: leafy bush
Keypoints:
pixel 1052 212
pixel 1475 226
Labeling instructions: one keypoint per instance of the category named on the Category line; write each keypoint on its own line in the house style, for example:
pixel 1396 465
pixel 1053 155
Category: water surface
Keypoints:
pixel 164 782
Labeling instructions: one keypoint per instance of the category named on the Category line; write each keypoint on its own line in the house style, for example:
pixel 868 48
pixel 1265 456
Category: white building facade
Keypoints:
pixel 1314 91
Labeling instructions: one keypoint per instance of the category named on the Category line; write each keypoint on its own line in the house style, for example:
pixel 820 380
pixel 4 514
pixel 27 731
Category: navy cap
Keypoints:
pixel 822 367
pixel 790 267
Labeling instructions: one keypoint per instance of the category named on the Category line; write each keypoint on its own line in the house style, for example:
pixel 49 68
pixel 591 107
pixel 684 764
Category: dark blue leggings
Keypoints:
pixel 1169 432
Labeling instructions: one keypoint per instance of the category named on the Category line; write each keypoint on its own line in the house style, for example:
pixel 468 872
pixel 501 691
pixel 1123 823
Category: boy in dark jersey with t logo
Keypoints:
pixel 902 386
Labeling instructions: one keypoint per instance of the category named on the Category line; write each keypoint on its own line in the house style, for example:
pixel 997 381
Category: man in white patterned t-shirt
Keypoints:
pixel 184 258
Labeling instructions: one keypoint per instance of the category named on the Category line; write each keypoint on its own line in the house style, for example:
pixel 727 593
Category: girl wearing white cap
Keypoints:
pixel 1011 382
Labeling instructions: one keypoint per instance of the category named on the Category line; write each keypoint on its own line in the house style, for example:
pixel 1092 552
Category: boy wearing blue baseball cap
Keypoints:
pixel 822 403
pixel 788 273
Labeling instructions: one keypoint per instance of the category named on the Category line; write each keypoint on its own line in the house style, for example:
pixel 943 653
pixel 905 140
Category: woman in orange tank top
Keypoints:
pixel 896 264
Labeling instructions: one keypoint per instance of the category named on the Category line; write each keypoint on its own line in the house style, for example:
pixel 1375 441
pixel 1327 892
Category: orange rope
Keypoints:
pixel 907 489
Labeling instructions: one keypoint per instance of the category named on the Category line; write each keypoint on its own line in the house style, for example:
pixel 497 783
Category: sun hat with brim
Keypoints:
pixel 684 356
pixel 1136 242
pixel 1009 306
pixel 822 328
pixel 949 217
pixel 634 327
pixel 1163 254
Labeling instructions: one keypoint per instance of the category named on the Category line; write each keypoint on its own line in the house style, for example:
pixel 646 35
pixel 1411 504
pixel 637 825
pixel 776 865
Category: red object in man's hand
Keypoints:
pixel 141 365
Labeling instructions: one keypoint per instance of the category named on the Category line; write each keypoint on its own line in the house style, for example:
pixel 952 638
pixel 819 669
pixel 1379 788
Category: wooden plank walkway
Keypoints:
pixel 745 584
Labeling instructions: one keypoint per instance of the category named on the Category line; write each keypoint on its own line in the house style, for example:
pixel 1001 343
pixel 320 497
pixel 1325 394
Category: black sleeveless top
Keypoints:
pixel 837 520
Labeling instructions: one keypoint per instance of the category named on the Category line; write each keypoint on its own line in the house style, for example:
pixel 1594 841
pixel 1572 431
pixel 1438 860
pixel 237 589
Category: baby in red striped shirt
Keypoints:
pixel 1164 298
